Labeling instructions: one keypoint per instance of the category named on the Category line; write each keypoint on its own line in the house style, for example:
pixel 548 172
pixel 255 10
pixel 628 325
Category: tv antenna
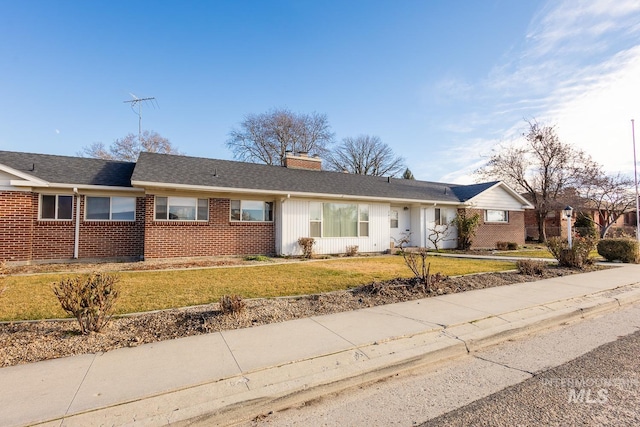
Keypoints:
pixel 138 101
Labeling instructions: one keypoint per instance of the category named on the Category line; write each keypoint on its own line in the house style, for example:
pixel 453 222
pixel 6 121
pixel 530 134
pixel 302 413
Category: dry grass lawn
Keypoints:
pixel 29 297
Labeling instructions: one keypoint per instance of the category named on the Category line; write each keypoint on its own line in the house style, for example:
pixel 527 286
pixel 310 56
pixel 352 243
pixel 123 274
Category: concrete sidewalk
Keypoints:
pixel 219 378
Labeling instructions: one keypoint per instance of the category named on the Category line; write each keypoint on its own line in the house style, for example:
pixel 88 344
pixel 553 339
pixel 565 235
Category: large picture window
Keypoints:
pixel 338 220
pixel 56 207
pixel 182 209
pixel 496 216
pixel 251 210
pixel 110 208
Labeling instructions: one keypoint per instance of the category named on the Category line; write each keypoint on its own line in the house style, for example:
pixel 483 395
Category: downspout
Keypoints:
pixel 76 237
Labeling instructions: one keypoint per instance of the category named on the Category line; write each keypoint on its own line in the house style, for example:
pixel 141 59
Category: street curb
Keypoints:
pixel 246 396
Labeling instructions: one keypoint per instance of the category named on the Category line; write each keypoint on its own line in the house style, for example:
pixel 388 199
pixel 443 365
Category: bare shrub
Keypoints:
pixel 3 272
pixel 501 246
pixel 352 250
pixel 417 263
pixel 306 243
pixel 231 304
pixel 90 299
pixel 531 267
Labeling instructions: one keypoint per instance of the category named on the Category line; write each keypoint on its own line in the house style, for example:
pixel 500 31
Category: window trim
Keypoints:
pixel 506 216
pixel 265 203
pixel 359 221
pixel 168 219
pixel 56 207
pixel 110 219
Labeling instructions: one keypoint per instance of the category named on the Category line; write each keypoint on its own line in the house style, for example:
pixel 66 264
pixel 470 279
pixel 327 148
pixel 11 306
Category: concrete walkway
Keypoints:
pixel 219 378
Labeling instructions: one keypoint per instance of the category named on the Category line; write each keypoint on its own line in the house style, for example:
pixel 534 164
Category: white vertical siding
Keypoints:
pixel 295 224
pixel 496 198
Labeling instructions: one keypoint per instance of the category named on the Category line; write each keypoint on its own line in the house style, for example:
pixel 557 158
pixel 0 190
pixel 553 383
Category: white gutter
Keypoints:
pixel 287 194
pixel 76 237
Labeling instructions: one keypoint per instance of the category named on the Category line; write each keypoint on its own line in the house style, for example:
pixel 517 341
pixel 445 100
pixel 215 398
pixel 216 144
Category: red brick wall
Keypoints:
pixel 218 236
pixel 113 239
pixel 24 238
pixel 16 225
pixel 488 234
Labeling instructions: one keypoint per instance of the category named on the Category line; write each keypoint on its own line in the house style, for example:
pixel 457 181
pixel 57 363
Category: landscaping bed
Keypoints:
pixel 25 342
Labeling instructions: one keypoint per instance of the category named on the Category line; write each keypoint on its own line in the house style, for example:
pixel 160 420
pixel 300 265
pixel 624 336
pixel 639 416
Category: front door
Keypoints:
pixel 400 223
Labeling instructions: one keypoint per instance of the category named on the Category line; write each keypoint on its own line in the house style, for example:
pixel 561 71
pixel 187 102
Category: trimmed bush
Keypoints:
pixel 90 299
pixel 501 246
pixel 625 250
pixel 531 267
pixel 306 243
pixel 506 246
pixel 576 257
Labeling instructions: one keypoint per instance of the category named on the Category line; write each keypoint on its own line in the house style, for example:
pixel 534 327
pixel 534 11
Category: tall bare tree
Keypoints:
pixel 611 196
pixel 542 168
pixel 129 147
pixel 366 155
pixel 266 138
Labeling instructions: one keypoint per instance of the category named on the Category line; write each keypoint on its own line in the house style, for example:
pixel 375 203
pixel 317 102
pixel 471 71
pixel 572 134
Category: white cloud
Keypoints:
pixel 577 68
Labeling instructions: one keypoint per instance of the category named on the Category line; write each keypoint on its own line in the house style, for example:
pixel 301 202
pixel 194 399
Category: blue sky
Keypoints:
pixel 441 82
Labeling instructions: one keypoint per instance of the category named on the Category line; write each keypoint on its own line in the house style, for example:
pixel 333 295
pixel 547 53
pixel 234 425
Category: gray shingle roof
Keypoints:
pixel 202 172
pixel 164 168
pixel 70 170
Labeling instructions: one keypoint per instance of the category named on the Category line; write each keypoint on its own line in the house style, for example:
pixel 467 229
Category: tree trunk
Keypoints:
pixel 542 234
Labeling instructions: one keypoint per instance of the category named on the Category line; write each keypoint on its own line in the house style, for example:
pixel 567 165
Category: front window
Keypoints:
pixel 394 219
pixel 438 215
pixel 182 209
pixel 496 216
pixel 110 208
pixel 251 210
pixel 338 220
pixel 56 207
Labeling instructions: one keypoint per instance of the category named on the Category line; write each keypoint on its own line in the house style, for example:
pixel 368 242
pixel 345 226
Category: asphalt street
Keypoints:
pixel 583 373
pixel 600 388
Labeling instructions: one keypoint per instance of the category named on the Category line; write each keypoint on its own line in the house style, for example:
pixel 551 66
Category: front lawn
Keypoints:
pixel 31 298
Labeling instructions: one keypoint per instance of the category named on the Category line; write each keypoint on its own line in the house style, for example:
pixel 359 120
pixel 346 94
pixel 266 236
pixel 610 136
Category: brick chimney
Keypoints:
pixel 302 161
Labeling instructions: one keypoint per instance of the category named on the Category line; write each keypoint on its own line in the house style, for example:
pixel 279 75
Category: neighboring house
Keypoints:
pixel 556 223
pixel 56 208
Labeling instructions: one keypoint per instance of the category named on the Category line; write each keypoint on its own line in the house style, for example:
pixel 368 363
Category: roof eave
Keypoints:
pixel 282 193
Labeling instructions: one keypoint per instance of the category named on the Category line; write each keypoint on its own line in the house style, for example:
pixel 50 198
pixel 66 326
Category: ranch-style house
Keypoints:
pixel 58 208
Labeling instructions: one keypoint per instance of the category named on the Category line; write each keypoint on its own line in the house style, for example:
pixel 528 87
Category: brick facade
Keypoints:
pixel 16 225
pixel 488 234
pixel 217 236
pixel 24 238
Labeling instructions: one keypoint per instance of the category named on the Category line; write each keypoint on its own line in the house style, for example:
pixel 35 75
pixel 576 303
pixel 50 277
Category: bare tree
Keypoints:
pixel 266 138
pixel 611 196
pixel 439 234
pixel 542 168
pixel 366 155
pixel 129 147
